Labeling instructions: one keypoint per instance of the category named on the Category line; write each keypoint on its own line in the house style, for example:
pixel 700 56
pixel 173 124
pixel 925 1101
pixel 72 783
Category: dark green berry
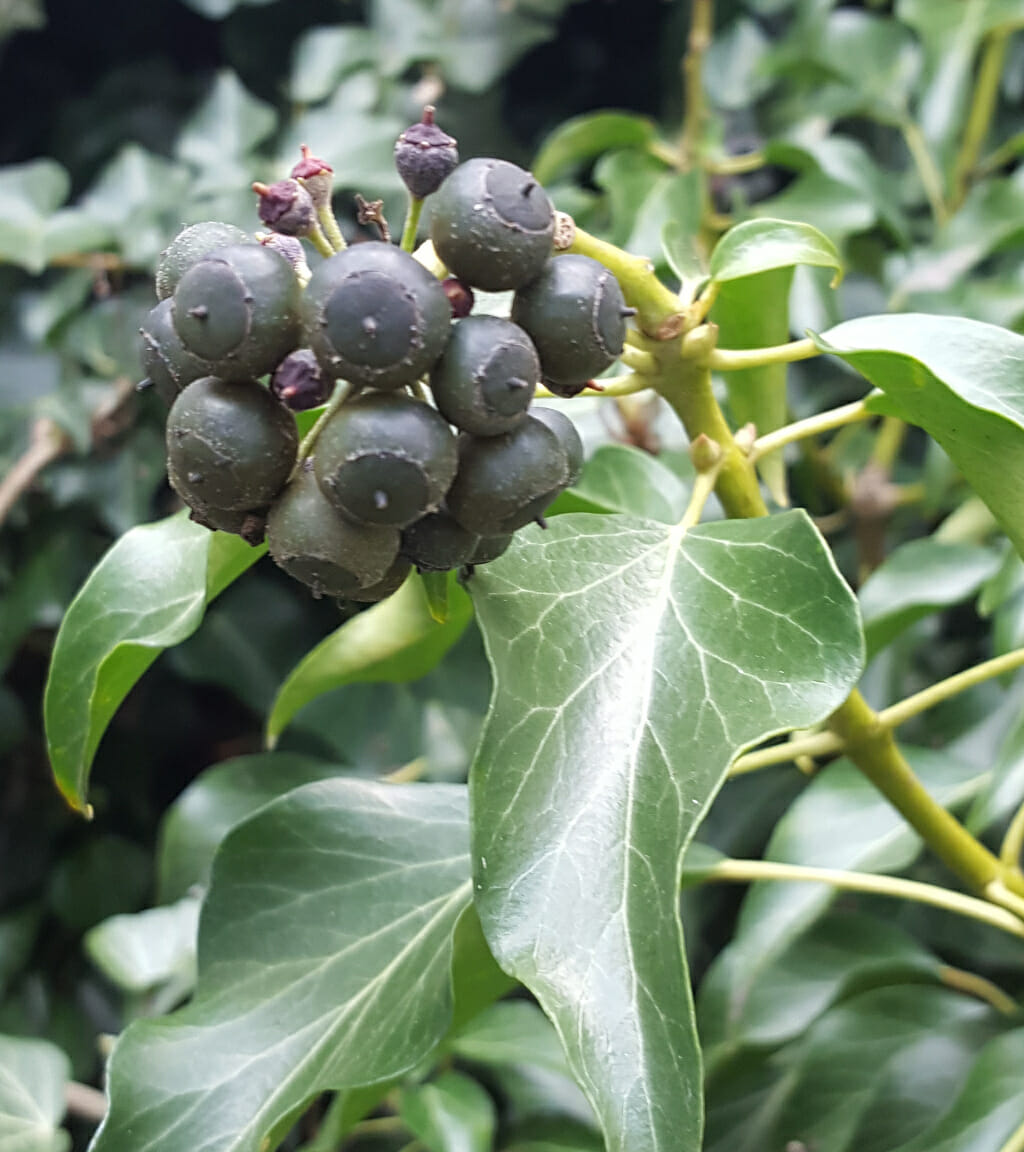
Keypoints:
pixel 487 376
pixel 575 314
pixel 490 548
pixel 168 364
pixel 393 579
pixel 568 437
pixel 251 526
pixel 375 316
pixel 504 482
pixel 238 308
pixel 310 541
pixel 438 542
pixel 191 245
pixel 230 444
pixel 492 225
pixel 385 458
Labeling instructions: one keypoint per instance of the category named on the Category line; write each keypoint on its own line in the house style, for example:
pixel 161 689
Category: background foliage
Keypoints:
pixel 152 115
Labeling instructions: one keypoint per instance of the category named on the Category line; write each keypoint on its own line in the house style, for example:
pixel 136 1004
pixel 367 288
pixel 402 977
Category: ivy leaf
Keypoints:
pixel 839 821
pixel 141 951
pixel 31 193
pixel 150 591
pixel 988 1110
pixel 221 797
pixel 450 1114
pixel 959 380
pixel 395 641
pixel 753 312
pixel 318 969
pixel 620 478
pixel 32 1078
pixel 757 246
pixel 917 579
pixel 632 663
pixel 225 129
pixel 582 138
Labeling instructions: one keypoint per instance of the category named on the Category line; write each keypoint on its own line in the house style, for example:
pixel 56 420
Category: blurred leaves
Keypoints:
pixel 32 1078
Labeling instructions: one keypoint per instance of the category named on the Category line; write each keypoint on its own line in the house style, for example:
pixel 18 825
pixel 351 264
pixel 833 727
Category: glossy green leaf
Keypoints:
pixel 675 197
pixel 796 985
pixel 141 951
pixel 989 1110
pixel 215 802
pixel 395 641
pixel 512 1032
pixel 581 139
pixel 632 663
pixel 839 821
pixel 30 193
pixel 32 1078
pixel 150 591
pixel 817 200
pixel 322 56
pixel 877 1070
pixel 734 72
pixel 753 312
pixel 317 969
pixel 917 579
pixel 450 1114
pixel 226 127
pixel 620 478
pixel 960 381
pixel 628 179
pixel 757 246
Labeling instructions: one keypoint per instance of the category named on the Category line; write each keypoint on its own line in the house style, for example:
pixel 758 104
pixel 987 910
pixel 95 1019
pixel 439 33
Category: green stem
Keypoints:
pixel 735 165
pixel 744 871
pixel 1013 841
pixel 812 426
pixel 870 745
pixel 342 391
pixel 332 1127
pixel 688 390
pixel 329 224
pixel 702 23
pixel 642 363
pixel 319 240
pixel 732 360
pixel 974 985
pixel 412 223
pixel 1007 151
pixel 628 384
pixel 708 458
pixel 931 177
pixel 828 743
pixel 971 523
pixel 983 106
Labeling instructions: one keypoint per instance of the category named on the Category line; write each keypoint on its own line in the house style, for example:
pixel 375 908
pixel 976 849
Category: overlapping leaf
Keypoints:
pixel 148 592
pixel 325 958
pixel 32 1078
pixel 632 663
pixel 959 380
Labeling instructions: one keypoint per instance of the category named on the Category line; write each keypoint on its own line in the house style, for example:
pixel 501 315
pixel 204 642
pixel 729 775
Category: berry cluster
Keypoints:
pixel 387 480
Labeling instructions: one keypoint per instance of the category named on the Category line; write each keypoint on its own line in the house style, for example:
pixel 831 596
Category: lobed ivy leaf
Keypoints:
pixel 221 797
pixel 325 962
pixel 988 1111
pixel 757 246
pixel 150 591
pixel 32 1078
pixel 875 1071
pixel 580 139
pixel 30 193
pixel 917 579
pixel 395 641
pixel 959 380
pixel 450 1114
pixel 620 478
pixel 632 663
pixel 323 56
pixel 838 821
